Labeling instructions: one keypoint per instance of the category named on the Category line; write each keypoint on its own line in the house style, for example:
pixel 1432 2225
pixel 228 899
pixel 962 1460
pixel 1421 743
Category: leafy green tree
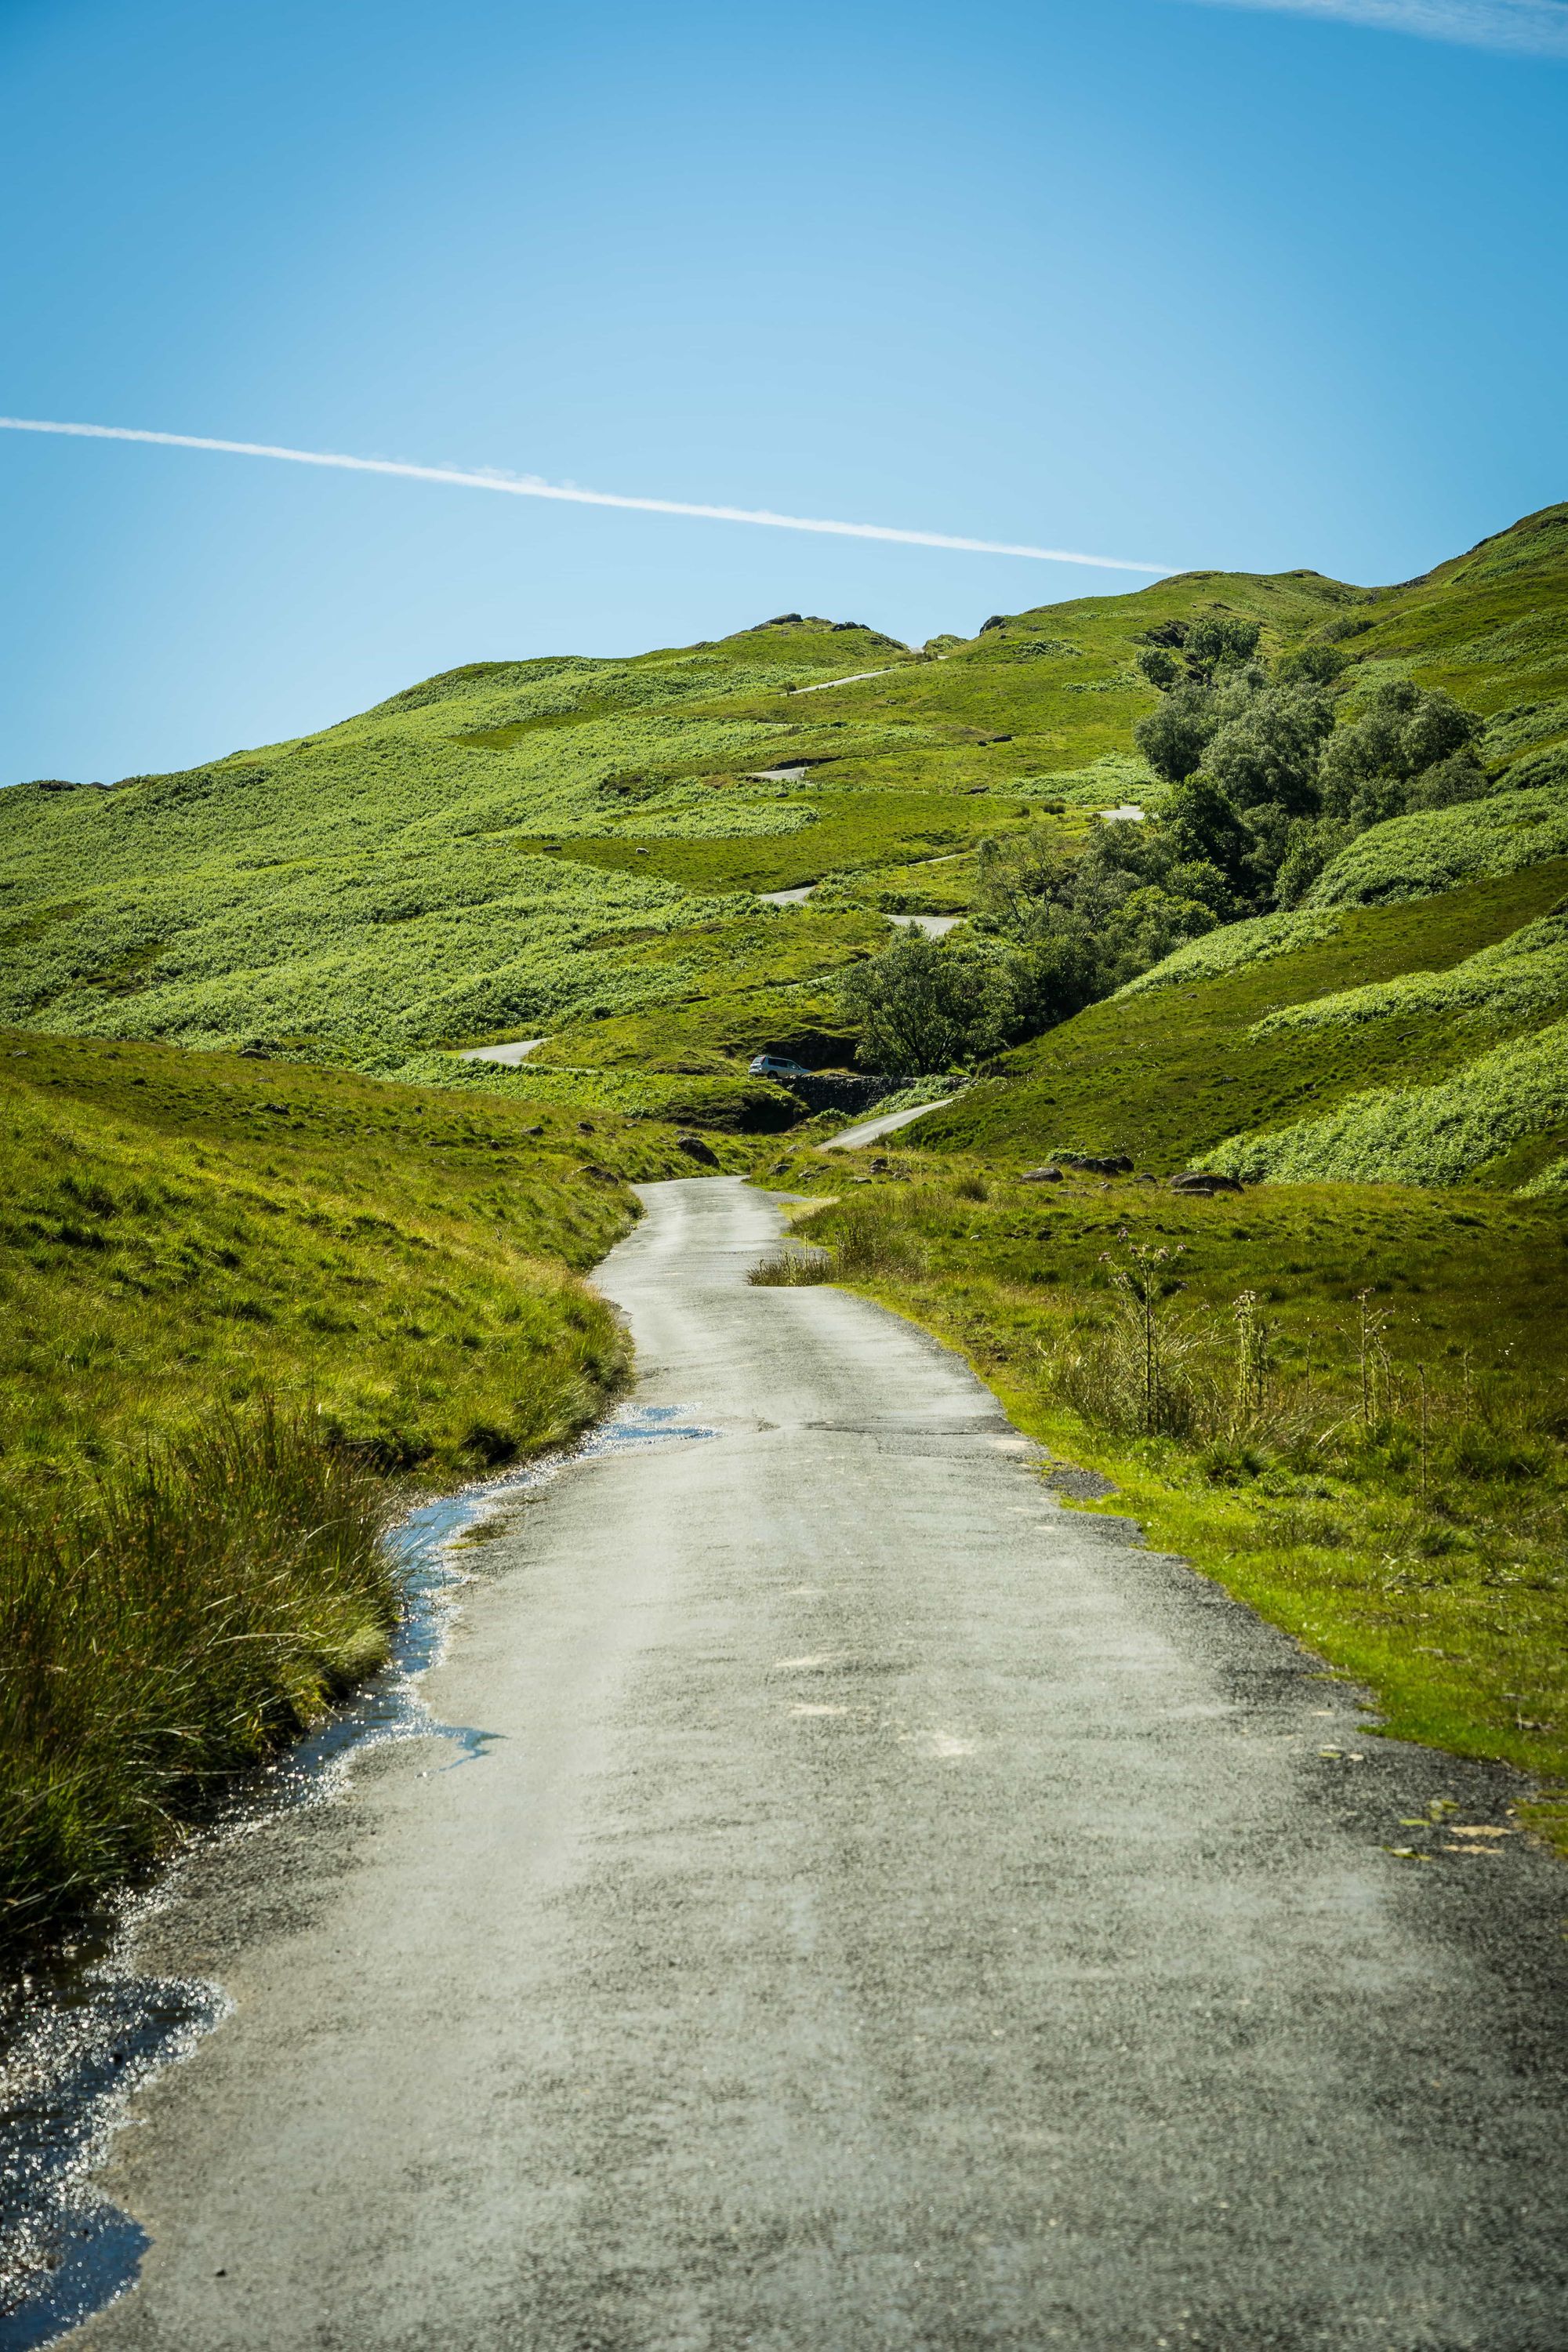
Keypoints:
pixel 1266 788
pixel 1318 664
pixel 1174 735
pixel 1379 765
pixel 1160 665
pixel 924 1006
pixel 1270 751
pixel 1218 641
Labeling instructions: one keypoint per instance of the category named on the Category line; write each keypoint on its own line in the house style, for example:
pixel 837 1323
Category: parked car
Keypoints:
pixel 777 1065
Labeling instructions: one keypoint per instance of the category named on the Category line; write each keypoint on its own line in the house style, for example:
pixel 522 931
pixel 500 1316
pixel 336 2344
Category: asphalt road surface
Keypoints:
pixel 894 1911
pixel 872 1130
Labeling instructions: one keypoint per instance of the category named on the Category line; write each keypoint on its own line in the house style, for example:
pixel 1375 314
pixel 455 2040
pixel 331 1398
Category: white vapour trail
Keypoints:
pixel 1531 27
pixel 528 487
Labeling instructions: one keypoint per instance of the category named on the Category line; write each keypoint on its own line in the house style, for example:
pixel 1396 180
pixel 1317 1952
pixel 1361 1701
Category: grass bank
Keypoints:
pixel 239 1301
pixel 1346 1403
pixel 165 1626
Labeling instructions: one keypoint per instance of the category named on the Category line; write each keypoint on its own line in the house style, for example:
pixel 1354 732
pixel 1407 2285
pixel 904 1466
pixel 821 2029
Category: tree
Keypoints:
pixel 1191 652
pixel 1317 665
pixel 1270 751
pixel 1389 759
pixel 1266 788
pixel 1219 641
pixel 923 1006
pixel 1174 735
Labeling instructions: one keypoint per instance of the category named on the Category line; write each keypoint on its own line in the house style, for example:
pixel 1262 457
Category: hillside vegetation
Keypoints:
pixel 238 1298
pixel 573 848
pixel 1393 1014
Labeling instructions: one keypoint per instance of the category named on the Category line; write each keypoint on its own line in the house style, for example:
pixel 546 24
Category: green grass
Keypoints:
pixel 760 983
pixel 1389 1479
pixel 193 1609
pixel 237 1299
pixel 723 1103
pixel 500 851
pixel 842 832
pixel 1497 1107
pixel 1169 1072
pixel 181 1231
pixel 1520 980
pixel 1438 849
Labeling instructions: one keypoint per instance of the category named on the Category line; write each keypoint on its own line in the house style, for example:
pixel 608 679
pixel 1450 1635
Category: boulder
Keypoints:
pixel 1203 1180
pixel 696 1148
pixel 1041 1176
pixel 1090 1164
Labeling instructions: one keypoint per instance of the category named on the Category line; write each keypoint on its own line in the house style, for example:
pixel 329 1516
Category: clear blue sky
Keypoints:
pixel 1250 285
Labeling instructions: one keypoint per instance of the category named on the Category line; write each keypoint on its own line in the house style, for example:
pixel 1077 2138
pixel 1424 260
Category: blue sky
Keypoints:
pixel 1232 284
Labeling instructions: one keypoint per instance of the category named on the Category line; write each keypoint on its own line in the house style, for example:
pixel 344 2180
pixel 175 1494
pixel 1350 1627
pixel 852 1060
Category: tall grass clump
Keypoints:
pixel 791 1269
pixel 1134 1373
pixel 872 1242
pixel 165 1625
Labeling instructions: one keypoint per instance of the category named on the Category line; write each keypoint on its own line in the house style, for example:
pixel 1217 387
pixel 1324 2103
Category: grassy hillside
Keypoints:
pixel 526 848
pixel 572 848
pixel 236 1296
pixel 183 1230
pixel 1342 1002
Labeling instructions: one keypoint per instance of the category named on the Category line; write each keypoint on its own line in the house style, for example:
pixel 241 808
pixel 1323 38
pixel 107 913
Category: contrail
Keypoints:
pixel 528 487
pixel 1531 27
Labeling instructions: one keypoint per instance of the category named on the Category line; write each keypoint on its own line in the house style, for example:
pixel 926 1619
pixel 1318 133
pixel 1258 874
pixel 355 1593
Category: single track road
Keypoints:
pixel 893 1913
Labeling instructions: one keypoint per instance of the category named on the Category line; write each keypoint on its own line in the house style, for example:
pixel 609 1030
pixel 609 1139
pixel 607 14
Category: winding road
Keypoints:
pixel 893 1913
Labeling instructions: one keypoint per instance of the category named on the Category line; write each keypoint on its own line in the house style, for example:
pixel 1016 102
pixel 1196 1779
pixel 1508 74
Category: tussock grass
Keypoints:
pixel 164 1625
pixel 791 1269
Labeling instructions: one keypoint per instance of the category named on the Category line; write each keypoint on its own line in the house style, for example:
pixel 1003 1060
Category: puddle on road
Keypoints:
pixel 80 2033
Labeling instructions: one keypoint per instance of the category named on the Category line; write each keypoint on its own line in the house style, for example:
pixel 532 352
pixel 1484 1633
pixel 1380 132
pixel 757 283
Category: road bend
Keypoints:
pixel 893 1910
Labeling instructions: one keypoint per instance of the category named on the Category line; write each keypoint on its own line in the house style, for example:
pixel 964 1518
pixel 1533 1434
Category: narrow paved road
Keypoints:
pixel 894 1912
pixel 872 1130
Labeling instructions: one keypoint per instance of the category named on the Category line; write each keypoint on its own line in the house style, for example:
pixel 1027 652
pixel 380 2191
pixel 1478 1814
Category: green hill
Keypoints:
pixel 520 847
pixel 576 849
pixel 1404 1022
